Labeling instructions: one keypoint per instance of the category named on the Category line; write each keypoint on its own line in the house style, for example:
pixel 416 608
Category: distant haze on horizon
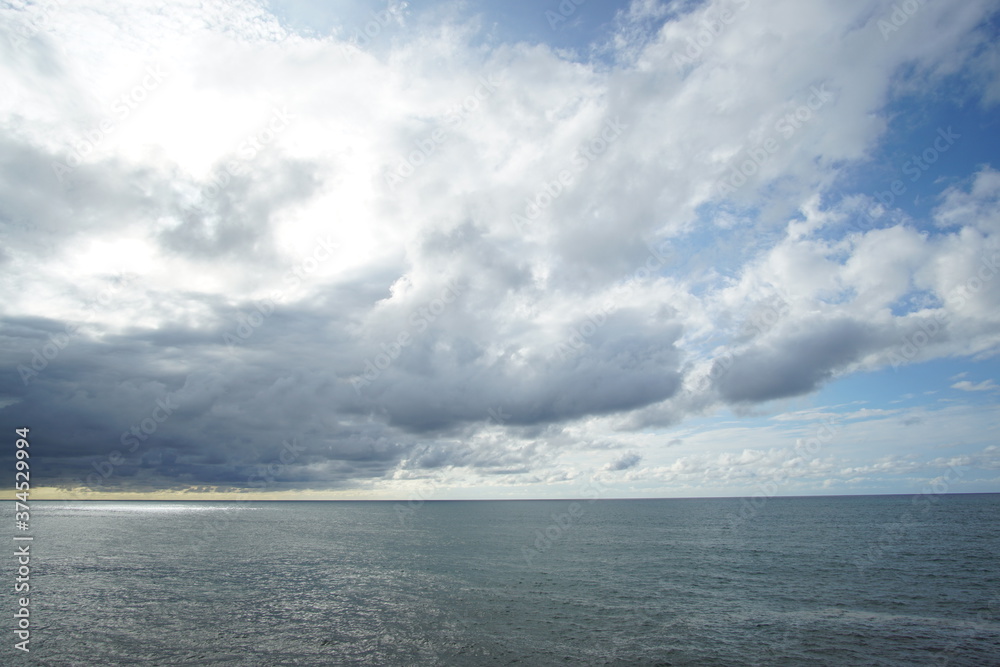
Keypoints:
pixel 448 250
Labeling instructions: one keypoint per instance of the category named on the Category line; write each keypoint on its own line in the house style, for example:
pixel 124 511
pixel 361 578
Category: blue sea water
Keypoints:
pixel 864 580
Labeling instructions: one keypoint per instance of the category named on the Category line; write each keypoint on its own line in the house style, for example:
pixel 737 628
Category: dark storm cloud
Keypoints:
pixel 226 408
pixel 165 416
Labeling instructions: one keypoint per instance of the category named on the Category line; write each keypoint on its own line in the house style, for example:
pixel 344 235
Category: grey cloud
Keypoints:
pixel 490 458
pixel 234 218
pixel 615 374
pixel 797 361
pixel 234 405
pixel 624 462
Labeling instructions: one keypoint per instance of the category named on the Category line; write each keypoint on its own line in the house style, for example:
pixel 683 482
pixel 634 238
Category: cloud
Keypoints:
pixel 985 385
pixel 624 462
pixel 425 253
pixel 797 362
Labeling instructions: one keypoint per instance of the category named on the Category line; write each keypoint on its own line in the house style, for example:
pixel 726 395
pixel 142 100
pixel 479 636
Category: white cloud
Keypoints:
pixel 985 385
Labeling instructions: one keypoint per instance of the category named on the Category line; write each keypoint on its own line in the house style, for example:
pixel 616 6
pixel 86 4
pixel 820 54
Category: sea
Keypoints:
pixel 849 580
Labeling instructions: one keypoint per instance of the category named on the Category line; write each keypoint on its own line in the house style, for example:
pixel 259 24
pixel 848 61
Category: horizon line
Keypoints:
pixel 463 500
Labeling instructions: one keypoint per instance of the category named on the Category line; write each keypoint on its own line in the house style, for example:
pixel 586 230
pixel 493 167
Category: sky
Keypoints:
pixel 446 250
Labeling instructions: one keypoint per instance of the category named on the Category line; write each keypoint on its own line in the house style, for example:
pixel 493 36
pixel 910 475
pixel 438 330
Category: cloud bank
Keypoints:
pixel 426 253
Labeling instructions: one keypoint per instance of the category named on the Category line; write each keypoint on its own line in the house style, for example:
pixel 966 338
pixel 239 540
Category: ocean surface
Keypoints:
pixel 864 580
